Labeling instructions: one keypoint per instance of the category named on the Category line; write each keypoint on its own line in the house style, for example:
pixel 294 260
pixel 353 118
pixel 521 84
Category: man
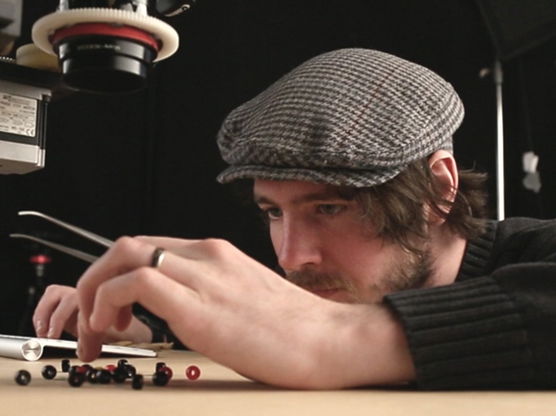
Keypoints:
pixel 397 279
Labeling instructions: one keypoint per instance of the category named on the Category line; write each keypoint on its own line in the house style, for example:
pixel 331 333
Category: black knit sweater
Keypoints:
pixel 495 327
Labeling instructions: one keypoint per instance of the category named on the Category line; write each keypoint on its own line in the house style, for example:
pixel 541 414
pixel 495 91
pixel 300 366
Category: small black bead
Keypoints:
pixel 160 378
pixel 167 371
pixel 159 365
pixel 119 375
pixel 65 365
pixel 22 377
pixel 91 375
pixel 122 363
pixel 130 370
pixel 137 382
pixel 49 372
pixel 103 376
pixel 76 379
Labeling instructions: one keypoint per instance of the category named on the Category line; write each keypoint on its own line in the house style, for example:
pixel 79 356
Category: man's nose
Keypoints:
pixel 298 246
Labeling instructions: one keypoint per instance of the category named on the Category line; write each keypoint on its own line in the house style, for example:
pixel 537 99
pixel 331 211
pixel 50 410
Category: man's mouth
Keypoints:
pixel 324 285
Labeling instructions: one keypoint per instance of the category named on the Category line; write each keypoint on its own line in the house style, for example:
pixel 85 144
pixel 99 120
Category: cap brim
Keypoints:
pixel 338 177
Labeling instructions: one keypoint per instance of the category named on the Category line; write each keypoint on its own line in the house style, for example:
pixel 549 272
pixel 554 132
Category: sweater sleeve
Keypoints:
pixel 495 330
pixel 466 335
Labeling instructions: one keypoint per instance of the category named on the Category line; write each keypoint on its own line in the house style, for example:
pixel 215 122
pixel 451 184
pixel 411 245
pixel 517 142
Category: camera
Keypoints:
pixel 100 46
pixel 108 46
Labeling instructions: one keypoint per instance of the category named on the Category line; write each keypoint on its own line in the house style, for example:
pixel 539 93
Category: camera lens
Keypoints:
pixel 104 58
pixel 104 64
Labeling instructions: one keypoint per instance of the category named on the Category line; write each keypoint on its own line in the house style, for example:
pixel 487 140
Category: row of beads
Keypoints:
pixel 78 374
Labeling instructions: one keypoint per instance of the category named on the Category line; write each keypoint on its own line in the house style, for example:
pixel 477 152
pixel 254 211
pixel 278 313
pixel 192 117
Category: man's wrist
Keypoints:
pixel 367 347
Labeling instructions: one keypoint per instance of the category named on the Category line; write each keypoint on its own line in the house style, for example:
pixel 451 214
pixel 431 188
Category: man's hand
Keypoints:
pixel 227 306
pixel 57 312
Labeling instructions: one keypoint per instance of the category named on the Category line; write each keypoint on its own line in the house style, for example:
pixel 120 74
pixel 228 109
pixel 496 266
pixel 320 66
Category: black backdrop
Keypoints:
pixel 145 163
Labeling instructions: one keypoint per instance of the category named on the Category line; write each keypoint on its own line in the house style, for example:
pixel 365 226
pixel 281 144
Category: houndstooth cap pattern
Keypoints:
pixel 353 117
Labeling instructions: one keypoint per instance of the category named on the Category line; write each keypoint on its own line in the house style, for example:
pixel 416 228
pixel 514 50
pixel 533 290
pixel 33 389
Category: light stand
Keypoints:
pixel 498 82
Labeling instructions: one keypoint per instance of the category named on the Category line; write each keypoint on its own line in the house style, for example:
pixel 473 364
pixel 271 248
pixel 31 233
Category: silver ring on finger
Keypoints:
pixel 157 257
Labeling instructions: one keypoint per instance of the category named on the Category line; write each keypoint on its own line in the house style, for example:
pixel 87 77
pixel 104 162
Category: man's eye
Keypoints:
pixel 330 209
pixel 272 213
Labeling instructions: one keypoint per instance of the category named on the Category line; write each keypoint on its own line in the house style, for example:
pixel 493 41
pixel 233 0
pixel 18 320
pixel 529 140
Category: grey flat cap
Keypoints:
pixel 353 117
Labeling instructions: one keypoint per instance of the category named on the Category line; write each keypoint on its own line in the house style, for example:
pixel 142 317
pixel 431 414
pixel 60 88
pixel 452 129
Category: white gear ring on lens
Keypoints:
pixel 45 27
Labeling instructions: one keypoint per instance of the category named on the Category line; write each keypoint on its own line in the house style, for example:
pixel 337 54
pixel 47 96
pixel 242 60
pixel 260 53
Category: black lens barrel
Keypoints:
pixel 104 64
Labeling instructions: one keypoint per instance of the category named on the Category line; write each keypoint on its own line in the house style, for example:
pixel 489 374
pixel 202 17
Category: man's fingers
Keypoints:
pixel 158 293
pixel 124 318
pixel 46 307
pixel 89 342
pixel 124 275
pixel 125 255
pixel 41 317
pixel 167 243
pixel 63 317
pixel 152 289
pixel 129 254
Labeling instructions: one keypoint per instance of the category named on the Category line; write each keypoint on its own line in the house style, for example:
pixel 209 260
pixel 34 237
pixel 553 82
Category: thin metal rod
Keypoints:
pixel 74 229
pixel 64 249
pixel 500 191
pixel 63 5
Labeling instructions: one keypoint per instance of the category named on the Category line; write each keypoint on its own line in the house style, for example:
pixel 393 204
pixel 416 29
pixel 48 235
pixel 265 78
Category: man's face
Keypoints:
pixel 324 245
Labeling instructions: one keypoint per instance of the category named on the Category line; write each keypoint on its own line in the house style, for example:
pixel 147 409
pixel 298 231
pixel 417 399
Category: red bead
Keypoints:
pixel 110 367
pixel 82 369
pixel 192 372
pixel 77 369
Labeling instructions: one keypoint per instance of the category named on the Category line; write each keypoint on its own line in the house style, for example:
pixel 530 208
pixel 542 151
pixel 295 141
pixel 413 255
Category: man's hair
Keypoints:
pixel 396 209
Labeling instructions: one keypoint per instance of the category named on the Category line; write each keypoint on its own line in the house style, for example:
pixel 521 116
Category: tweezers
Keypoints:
pixel 74 229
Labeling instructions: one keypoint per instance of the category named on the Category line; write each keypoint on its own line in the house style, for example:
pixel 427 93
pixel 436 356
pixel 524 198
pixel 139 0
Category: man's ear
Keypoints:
pixel 444 169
